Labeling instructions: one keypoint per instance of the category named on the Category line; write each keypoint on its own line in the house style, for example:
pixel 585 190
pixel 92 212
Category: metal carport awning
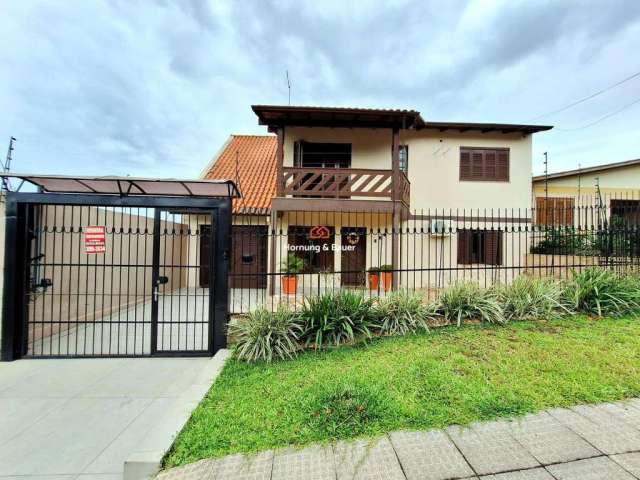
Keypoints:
pixel 131 186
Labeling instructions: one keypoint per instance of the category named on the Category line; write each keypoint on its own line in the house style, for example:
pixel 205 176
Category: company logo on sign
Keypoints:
pixel 95 240
pixel 319 233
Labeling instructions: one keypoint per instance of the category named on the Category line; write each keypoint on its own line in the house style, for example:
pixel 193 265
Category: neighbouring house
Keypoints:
pixel 340 187
pixel 589 195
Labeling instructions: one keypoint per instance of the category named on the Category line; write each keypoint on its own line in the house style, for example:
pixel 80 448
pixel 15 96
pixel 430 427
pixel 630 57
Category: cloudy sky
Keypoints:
pixel 153 88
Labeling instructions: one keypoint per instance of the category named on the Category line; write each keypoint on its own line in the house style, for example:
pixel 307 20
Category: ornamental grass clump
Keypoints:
pixel 267 336
pixel 401 313
pixel 335 318
pixel 468 301
pixel 531 298
pixel 596 291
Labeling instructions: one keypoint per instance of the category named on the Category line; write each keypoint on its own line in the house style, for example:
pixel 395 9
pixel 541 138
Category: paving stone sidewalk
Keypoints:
pixel 578 443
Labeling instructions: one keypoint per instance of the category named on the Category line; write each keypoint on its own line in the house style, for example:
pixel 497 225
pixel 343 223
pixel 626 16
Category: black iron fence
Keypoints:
pixel 284 257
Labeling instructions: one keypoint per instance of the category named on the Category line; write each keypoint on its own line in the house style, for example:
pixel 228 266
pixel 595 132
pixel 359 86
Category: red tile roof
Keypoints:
pixel 250 161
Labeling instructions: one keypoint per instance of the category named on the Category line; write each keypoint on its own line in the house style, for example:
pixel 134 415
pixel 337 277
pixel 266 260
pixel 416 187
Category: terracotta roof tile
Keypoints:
pixel 254 171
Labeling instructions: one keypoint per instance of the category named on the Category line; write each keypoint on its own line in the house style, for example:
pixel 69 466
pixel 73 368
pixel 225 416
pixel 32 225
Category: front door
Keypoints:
pixel 248 267
pixel 353 256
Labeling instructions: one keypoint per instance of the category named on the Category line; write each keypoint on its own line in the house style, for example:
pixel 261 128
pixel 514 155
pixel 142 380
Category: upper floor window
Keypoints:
pixel 321 155
pixel 484 164
pixel 404 159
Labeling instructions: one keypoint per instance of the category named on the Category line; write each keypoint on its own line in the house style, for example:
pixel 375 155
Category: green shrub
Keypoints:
pixel 468 301
pixel 597 291
pixel 336 318
pixel 292 265
pixel 401 313
pixel 530 299
pixel 345 410
pixel 265 335
pixel 565 241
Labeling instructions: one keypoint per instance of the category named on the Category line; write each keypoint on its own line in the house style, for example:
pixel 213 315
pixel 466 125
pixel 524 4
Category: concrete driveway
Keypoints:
pixel 68 418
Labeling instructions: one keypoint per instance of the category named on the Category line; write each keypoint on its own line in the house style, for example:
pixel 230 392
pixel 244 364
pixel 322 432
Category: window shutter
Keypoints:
pixel 541 211
pixel 477 165
pixel 555 211
pixel 492 248
pixel 502 165
pixel 483 164
pixel 464 247
pixel 567 212
pixel 465 165
pixel 490 172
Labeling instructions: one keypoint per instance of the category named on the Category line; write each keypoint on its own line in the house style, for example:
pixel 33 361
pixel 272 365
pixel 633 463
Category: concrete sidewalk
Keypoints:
pixel 82 418
pixel 580 443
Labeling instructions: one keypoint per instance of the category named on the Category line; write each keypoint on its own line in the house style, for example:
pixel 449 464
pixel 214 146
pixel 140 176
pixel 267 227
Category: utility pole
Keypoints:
pixel 6 185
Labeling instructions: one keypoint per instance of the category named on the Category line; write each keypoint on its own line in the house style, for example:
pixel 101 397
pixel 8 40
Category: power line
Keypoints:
pixel 589 97
pixel 604 117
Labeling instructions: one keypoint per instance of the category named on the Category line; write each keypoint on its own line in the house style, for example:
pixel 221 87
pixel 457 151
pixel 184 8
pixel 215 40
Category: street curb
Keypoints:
pixel 145 461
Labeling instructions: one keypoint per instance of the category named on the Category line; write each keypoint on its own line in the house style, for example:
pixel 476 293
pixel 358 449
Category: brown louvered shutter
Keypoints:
pixel 541 211
pixel 465 165
pixel 555 211
pixel 483 164
pixel 502 165
pixel 490 164
pixel 492 248
pixel 568 211
pixel 477 165
pixel 464 247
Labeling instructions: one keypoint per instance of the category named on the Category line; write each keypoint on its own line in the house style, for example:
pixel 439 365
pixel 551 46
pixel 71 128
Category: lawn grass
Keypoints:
pixel 448 376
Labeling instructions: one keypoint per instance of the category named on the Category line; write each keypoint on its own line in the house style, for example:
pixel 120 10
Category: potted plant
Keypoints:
pixel 291 267
pixel 386 275
pixel 374 278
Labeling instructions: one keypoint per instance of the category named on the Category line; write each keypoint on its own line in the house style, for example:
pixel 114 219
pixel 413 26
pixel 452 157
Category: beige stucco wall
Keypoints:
pixel 434 168
pixel 434 164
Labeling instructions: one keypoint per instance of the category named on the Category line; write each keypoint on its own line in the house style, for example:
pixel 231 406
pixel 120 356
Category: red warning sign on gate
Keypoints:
pixel 95 240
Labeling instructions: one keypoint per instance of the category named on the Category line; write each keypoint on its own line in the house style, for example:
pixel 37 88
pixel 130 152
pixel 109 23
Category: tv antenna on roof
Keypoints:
pixel 288 85
pixel 6 184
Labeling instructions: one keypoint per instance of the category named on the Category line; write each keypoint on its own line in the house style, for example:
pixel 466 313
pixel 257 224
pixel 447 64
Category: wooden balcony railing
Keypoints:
pixel 343 183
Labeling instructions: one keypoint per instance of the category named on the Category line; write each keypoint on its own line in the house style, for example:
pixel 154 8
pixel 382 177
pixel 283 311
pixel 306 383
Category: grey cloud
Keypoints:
pixel 155 88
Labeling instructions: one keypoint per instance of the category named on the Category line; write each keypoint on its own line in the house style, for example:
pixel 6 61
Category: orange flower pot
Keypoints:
pixel 374 281
pixel 387 280
pixel 289 285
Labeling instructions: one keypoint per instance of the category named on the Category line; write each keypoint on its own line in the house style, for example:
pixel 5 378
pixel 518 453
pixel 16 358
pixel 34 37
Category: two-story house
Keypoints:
pixel 380 183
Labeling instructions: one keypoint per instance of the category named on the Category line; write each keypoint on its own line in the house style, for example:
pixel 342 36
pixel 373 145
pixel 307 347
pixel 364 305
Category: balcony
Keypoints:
pixel 344 183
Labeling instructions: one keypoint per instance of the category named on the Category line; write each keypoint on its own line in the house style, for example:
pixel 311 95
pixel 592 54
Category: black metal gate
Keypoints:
pixel 99 275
